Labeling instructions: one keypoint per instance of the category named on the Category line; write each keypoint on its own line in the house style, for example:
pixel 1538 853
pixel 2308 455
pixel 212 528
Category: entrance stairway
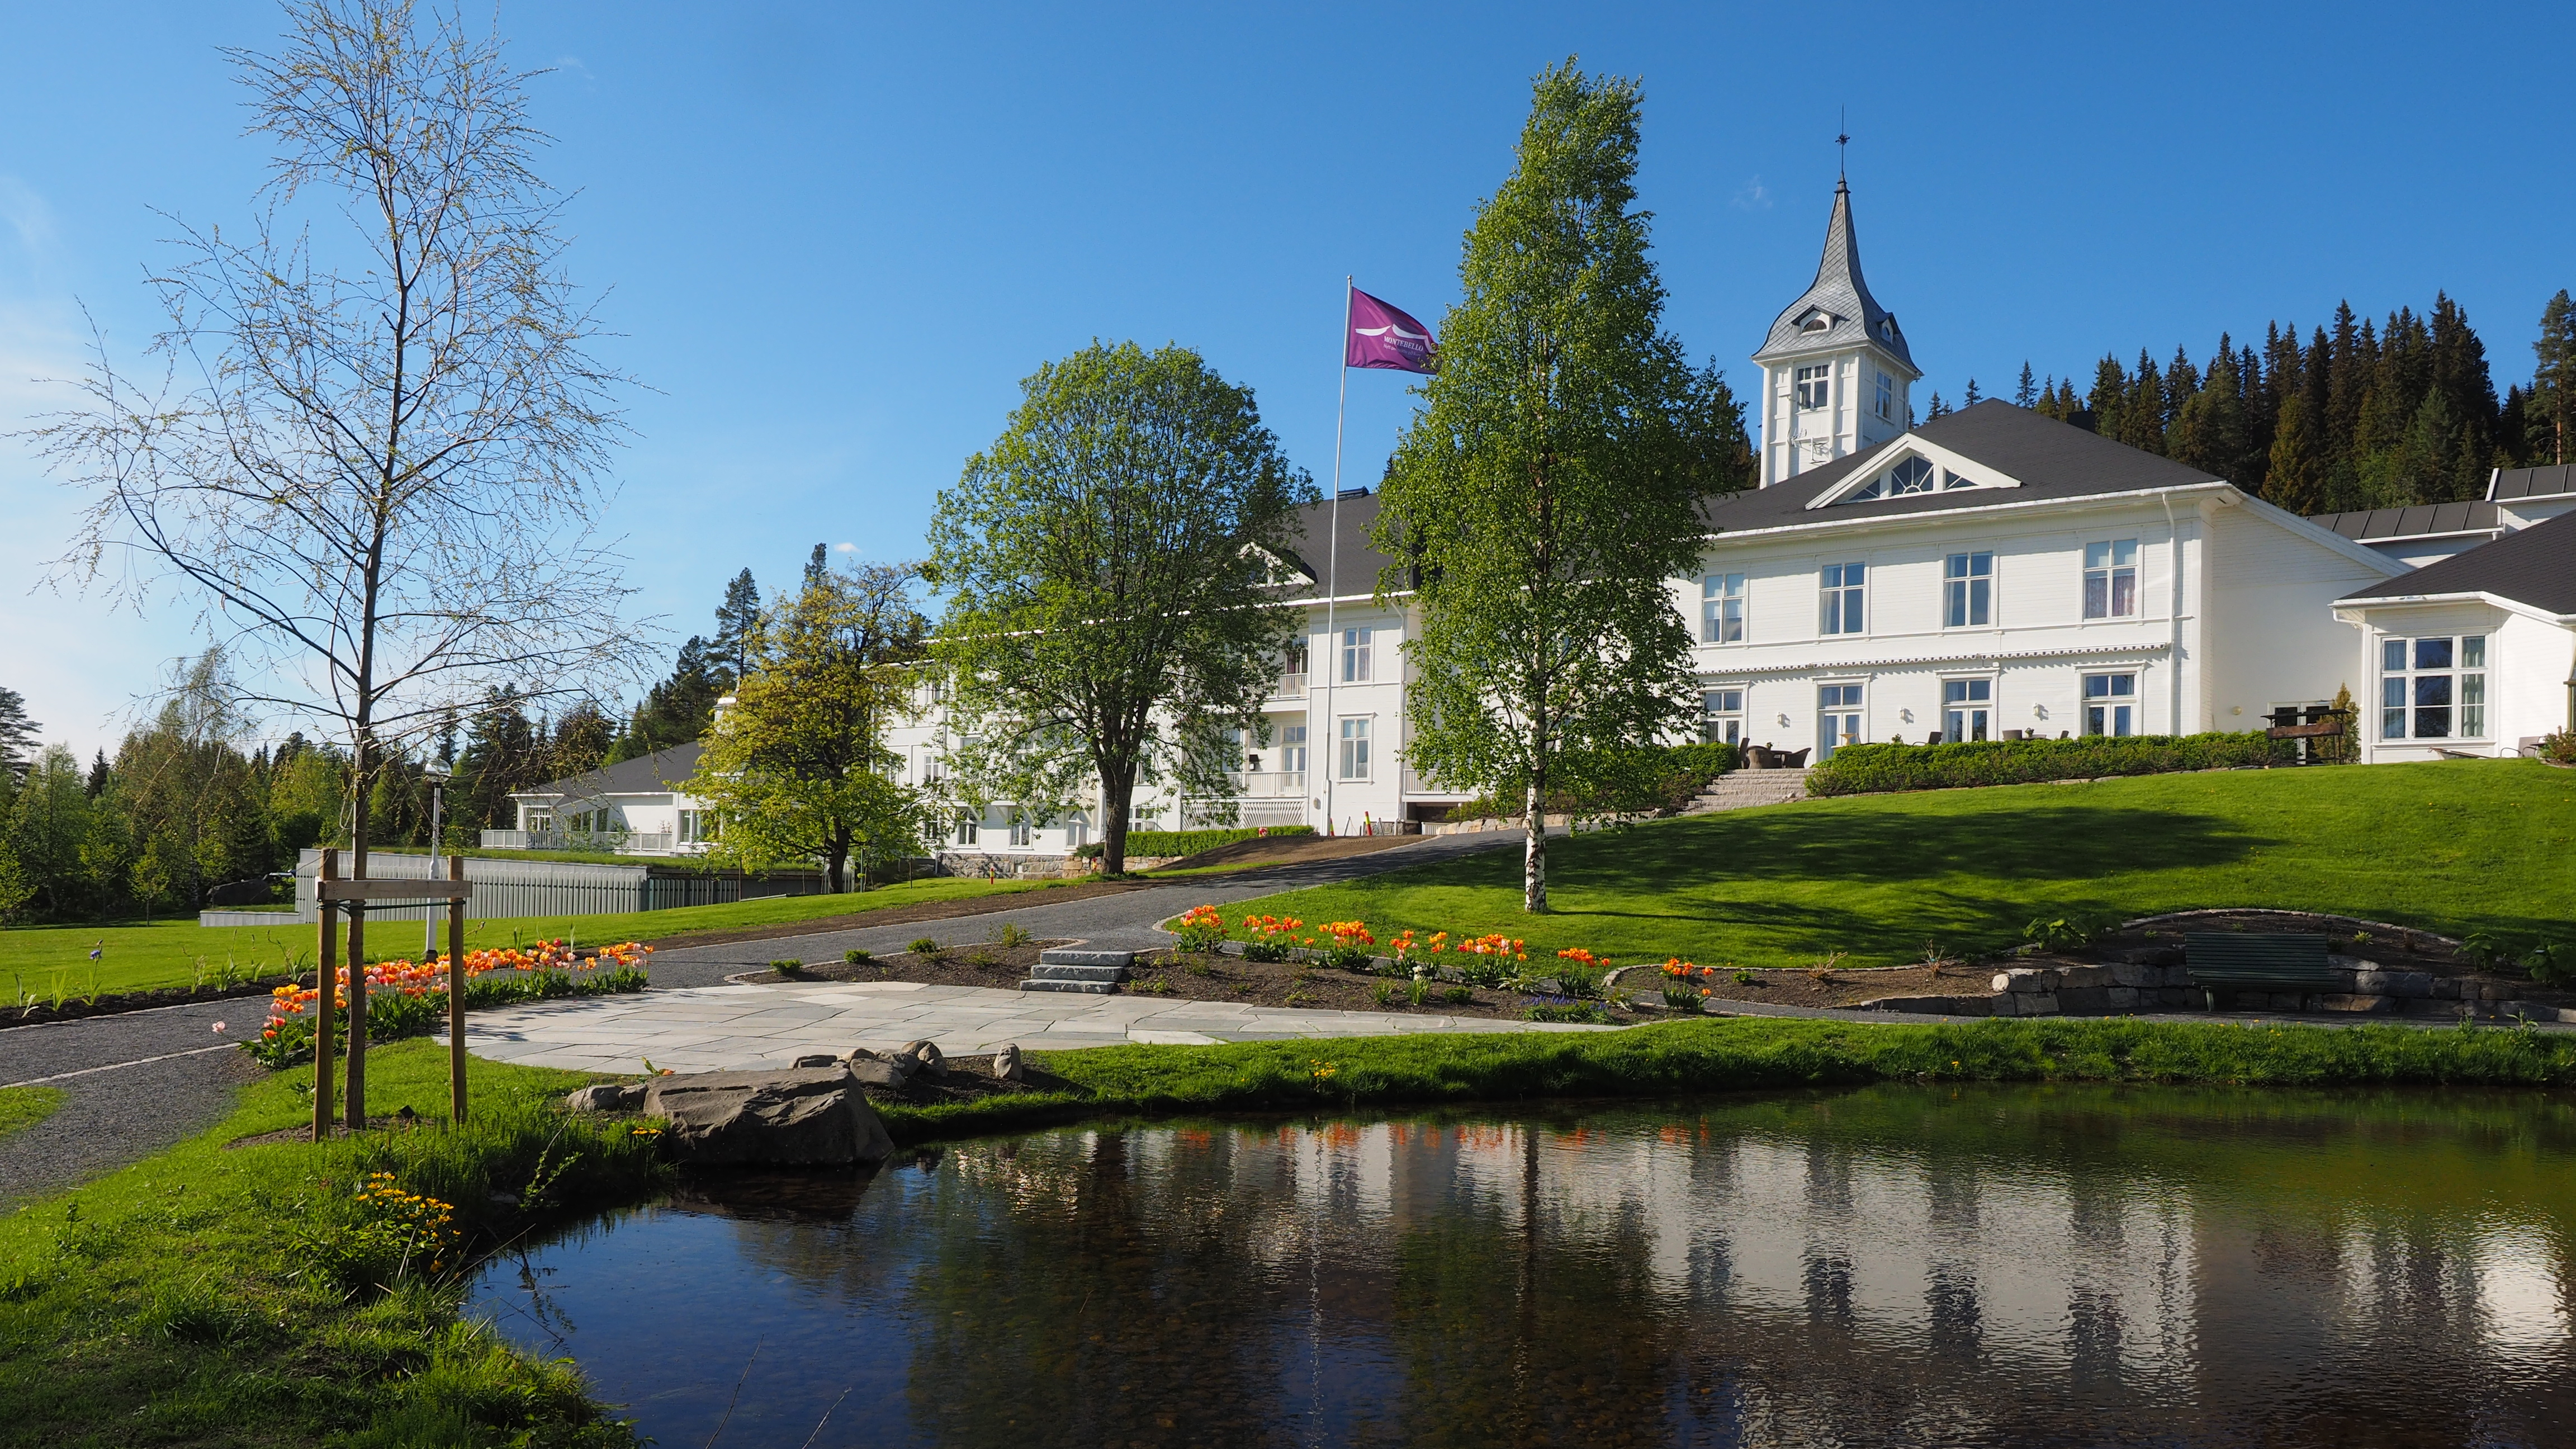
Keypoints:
pixel 1094 973
pixel 1743 789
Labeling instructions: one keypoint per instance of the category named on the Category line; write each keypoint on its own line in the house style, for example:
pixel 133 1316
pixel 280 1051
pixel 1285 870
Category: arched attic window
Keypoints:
pixel 1911 475
pixel 1817 322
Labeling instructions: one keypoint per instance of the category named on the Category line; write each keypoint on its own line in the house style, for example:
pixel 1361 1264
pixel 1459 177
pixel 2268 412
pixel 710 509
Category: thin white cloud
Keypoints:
pixel 845 548
pixel 27 214
pixel 1754 197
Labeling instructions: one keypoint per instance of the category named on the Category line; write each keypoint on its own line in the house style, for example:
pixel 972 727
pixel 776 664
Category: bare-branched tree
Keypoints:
pixel 376 455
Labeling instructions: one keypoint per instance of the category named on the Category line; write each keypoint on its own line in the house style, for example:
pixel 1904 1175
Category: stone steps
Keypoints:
pixel 1744 789
pixel 1092 973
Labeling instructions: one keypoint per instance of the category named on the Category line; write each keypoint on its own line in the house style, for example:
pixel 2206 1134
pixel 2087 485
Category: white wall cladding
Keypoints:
pixel 505 888
pixel 2274 638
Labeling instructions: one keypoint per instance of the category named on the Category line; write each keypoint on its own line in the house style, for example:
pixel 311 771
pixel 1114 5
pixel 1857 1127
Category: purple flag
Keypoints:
pixel 1384 336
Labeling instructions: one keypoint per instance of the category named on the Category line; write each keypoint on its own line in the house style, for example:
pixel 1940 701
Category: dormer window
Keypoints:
pixel 1914 475
pixel 1817 322
pixel 1887 329
pixel 1813 384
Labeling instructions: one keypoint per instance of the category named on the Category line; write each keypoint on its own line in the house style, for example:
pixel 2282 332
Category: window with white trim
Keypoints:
pixel 1292 748
pixel 1815 385
pixel 2433 687
pixel 1076 831
pixel 969 828
pixel 1968 590
pixel 1022 832
pixel 1721 716
pixel 1838 718
pixel 2110 704
pixel 1844 611
pixel 1355 655
pixel 1967 709
pixel 1886 398
pixel 1353 761
pixel 697 827
pixel 1722 609
pixel 2111 579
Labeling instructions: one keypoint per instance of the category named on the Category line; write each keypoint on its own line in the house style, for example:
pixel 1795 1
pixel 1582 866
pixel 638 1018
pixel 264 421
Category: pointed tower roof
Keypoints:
pixel 1837 310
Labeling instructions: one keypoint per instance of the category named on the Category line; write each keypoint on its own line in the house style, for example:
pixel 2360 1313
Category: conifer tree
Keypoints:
pixel 735 617
pixel 2026 395
pixel 2292 478
pixel 1937 411
pixel 1971 397
pixel 2548 402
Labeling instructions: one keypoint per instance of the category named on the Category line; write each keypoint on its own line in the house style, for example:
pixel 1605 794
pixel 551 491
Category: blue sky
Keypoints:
pixel 833 237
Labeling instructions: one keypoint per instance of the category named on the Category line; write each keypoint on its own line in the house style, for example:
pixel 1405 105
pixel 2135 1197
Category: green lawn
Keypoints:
pixel 26 1106
pixel 43 961
pixel 2454 847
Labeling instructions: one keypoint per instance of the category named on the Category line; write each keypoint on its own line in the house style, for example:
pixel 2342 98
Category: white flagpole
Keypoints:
pixel 1333 566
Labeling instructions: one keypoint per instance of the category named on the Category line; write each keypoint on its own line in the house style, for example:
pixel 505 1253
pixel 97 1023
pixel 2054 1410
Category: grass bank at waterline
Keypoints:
pixel 283 1294
pixel 1740 1054
pixel 22 1107
pixel 2461 846
pixel 43 962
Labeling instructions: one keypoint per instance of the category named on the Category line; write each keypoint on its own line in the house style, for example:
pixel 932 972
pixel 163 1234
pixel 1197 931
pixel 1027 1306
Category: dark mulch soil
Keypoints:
pixel 112 1003
pixel 1837 987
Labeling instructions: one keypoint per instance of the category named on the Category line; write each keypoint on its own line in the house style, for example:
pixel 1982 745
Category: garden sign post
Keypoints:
pixel 456 995
pixel 326 981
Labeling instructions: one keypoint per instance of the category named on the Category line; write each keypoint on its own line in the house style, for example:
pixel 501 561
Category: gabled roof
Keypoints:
pixel 2049 459
pixel 2555 480
pixel 653 774
pixel 1840 299
pixel 2534 567
pixel 1310 549
pixel 2430 520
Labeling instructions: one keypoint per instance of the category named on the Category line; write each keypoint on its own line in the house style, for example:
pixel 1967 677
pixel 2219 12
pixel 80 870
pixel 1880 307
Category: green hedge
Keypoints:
pixel 1186 842
pixel 1875 769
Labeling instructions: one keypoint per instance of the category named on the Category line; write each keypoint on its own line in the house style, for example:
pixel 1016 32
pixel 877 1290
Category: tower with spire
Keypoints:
pixel 1836 374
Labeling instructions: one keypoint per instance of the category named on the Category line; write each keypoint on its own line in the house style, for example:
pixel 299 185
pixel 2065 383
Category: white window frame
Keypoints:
pixel 1351 737
pixel 2113 712
pixel 1813 387
pixel 1721 712
pixel 1886 398
pixel 1076 831
pixel 1968 590
pixel 1292 748
pixel 693 826
pixel 1023 834
pixel 1357 646
pixel 1842 590
pixel 1853 707
pixel 2119 564
pixel 970 828
pixel 1721 609
pixel 2461 677
pixel 1958 720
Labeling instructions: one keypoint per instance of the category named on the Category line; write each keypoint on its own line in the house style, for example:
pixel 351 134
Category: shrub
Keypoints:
pixel 1874 769
pixel 2061 933
pixel 2550 965
pixel 1383 993
pixel 857 956
pixel 2559 747
pixel 1457 995
pixel 1011 935
pixel 982 959
pixel 1186 842
pixel 787 967
pixel 926 947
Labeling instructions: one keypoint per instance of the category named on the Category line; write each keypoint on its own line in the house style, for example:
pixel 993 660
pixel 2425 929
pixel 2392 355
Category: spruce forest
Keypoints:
pixel 2360 414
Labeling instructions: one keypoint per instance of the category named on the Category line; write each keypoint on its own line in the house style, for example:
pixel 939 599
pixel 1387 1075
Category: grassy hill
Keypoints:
pixel 2453 847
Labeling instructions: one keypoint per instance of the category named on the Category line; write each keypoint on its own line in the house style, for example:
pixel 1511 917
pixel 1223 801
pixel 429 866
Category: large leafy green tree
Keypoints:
pixel 1108 615
pixel 798 768
pixel 1551 488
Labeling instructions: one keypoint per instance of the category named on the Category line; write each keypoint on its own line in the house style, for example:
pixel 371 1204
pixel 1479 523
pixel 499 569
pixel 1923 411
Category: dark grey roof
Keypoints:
pixel 2052 460
pixel 1840 294
pixel 1359 559
pixel 2535 566
pixel 2553 481
pixel 2427 520
pixel 644 775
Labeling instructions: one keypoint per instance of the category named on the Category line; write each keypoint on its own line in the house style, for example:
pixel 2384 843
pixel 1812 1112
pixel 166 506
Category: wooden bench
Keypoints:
pixel 2247 960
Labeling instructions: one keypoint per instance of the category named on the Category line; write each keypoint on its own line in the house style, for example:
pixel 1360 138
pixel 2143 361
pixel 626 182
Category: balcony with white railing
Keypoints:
pixel 1267 784
pixel 1288 686
pixel 611 842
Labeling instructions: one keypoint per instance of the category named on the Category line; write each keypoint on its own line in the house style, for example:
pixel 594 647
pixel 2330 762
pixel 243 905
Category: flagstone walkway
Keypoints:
pixel 718 1028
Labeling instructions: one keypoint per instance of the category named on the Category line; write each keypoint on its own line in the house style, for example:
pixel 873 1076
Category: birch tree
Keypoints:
pixel 1550 489
pixel 373 455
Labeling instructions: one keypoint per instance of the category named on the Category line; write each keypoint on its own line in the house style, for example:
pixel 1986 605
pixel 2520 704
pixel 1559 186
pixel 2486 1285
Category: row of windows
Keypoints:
pixel 1967 593
pixel 2110 707
pixel 2433 687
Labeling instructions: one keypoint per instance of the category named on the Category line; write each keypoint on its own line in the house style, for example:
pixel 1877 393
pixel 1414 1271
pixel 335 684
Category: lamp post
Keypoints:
pixel 437 776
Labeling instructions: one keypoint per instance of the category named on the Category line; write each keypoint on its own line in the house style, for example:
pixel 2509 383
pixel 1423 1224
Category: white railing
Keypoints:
pixel 1267 784
pixel 1289 686
pixel 612 842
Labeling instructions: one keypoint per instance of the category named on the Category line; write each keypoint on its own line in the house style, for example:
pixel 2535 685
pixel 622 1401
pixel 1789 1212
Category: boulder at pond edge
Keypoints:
pixel 803 1117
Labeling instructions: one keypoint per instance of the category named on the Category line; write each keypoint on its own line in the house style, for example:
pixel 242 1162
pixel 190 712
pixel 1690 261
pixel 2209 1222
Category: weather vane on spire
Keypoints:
pixel 1842 145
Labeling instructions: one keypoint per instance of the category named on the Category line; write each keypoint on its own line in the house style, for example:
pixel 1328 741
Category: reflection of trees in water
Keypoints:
pixel 1880 1266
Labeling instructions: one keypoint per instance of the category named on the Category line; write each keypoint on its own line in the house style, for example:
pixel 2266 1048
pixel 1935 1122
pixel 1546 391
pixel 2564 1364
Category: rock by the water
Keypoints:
pixel 816 1059
pixel 607 1097
pixel 925 1052
pixel 808 1116
pixel 1007 1064
pixel 889 1075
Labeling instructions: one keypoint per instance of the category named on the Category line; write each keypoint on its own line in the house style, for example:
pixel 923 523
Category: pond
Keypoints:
pixel 1893 1265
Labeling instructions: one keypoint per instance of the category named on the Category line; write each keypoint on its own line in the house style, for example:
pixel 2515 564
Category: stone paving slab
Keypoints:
pixel 712 1028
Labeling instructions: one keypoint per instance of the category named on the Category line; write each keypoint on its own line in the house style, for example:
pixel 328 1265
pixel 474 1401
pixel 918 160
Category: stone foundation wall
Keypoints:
pixel 2120 988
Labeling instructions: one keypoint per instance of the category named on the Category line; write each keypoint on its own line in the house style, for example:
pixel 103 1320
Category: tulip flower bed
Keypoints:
pixel 406 998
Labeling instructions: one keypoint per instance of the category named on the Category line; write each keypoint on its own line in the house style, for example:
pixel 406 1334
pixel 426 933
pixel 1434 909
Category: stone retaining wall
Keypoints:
pixel 2120 988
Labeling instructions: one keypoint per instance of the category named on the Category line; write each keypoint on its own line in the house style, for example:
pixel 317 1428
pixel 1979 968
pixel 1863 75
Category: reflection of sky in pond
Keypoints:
pixel 1893 1265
